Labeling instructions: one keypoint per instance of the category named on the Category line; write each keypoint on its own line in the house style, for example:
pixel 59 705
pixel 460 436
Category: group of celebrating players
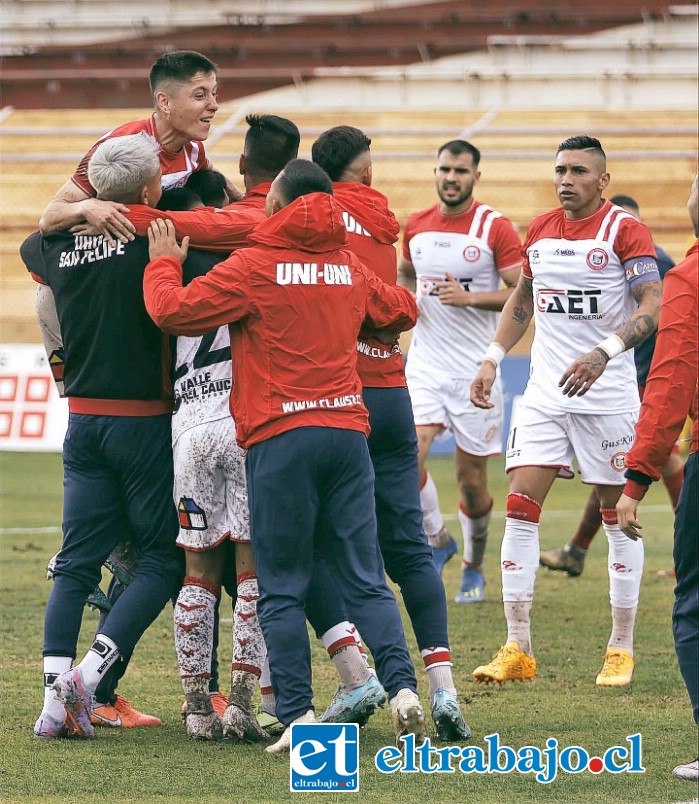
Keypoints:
pixel 311 485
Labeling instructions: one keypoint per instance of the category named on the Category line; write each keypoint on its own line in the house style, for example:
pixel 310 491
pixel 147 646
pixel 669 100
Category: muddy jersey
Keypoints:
pixel 177 166
pixel 473 247
pixel 581 273
pixel 202 374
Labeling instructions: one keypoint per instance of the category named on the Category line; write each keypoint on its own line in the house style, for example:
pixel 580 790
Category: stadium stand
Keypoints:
pixel 500 96
pixel 255 55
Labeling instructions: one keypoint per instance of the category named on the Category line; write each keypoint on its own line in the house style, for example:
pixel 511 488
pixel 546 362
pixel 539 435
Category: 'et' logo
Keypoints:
pixel 324 757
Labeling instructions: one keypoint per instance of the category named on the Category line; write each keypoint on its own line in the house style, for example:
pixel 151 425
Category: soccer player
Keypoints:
pixel 117 456
pixel 671 390
pixel 571 557
pixel 344 153
pixel 591 283
pixel 455 255
pixel 296 300
pixel 184 86
pixel 210 486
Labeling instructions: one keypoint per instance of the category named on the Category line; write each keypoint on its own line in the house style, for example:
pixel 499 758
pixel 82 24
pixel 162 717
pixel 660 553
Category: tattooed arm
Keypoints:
pixel 516 315
pixel 579 377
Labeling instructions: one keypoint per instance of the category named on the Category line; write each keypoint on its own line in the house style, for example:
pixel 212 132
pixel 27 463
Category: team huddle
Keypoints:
pixel 242 416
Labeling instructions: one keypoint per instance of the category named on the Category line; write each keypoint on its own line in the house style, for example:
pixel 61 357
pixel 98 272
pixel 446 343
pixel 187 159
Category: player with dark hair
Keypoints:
pixel 671 392
pixel 210 186
pixel 185 91
pixel 344 151
pixel 456 255
pixel 296 300
pixel 571 557
pixel 117 457
pixel 591 283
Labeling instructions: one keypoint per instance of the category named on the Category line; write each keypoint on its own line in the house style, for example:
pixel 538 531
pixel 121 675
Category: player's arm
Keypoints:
pixel 218 298
pixel 215 230
pixel 46 315
pixel 453 293
pixel 667 399
pixel 389 307
pixel 517 312
pixel 579 377
pixel 407 278
pixel 71 206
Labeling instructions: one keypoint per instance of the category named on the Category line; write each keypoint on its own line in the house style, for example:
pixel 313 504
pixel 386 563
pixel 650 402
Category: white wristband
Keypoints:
pixel 494 353
pixel 612 346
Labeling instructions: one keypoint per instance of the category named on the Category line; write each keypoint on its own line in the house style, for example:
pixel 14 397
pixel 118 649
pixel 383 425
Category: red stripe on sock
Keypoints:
pixel 345 642
pixel 476 515
pixel 214 588
pixel 609 516
pixel 520 506
pixel 247 668
pixel 439 657
pixel 246 576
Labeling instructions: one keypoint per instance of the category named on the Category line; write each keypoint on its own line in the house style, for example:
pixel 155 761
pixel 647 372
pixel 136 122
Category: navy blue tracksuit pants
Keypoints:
pixel 117 478
pixel 311 489
pixel 685 613
pixel 406 553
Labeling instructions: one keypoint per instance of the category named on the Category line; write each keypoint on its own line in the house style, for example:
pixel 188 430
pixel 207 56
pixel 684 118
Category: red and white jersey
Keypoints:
pixel 176 167
pixel 581 296
pixel 473 247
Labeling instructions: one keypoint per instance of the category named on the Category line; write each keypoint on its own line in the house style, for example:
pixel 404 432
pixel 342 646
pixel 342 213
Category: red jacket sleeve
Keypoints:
pixel 225 230
pixel 388 306
pixel 210 301
pixel 672 380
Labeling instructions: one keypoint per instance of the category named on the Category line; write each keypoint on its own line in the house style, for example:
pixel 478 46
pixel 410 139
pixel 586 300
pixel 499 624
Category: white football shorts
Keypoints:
pixel 441 399
pixel 211 492
pixel 599 442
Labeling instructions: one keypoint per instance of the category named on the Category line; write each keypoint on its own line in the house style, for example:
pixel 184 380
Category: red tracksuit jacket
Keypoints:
pixel 372 230
pixel 672 380
pixel 295 300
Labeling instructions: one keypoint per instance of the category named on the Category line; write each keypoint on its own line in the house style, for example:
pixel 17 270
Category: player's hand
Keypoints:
pixel 233 192
pixel 482 385
pixel 580 375
pixel 108 219
pixel 163 243
pixel 451 292
pixel 626 514
pixel 84 229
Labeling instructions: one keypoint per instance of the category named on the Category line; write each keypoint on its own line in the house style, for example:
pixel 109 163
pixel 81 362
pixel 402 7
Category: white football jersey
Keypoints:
pixel 473 247
pixel 581 296
pixel 202 380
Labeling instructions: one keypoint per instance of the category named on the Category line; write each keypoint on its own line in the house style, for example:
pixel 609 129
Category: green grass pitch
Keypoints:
pixel 570 630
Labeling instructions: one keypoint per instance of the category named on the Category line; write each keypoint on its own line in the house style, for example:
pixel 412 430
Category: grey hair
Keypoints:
pixel 121 166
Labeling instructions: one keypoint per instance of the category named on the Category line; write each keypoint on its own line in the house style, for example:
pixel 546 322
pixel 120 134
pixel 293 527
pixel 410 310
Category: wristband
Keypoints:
pixel 494 353
pixel 612 346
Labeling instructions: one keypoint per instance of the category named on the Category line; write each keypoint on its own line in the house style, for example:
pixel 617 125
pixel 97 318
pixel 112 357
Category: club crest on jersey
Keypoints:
pixel 618 461
pixel 597 259
pixel 472 253
pixel 191 516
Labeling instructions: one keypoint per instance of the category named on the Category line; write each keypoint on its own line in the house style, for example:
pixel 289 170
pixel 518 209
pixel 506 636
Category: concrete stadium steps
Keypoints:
pixel 652 157
pixel 261 56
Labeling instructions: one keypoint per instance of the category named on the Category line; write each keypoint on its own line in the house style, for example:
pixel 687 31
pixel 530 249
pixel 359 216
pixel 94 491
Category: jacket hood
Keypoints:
pixel 312 222
pixel 370 208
